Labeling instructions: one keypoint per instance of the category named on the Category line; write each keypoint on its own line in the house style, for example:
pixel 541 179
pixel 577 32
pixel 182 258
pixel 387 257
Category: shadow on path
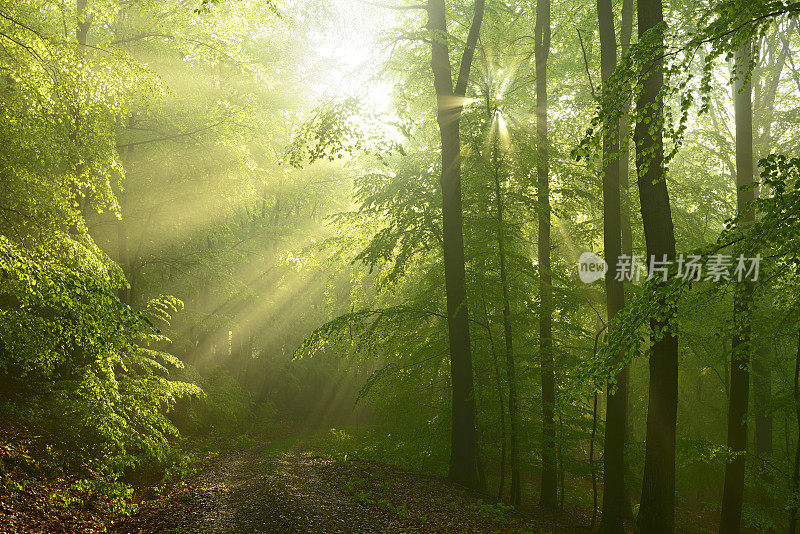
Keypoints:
pixel 264 489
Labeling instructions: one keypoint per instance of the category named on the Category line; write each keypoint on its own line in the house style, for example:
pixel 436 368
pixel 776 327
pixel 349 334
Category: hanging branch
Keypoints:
pixel 586 65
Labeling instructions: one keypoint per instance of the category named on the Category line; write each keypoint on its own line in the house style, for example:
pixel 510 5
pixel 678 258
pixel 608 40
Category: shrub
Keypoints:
pixel 82 364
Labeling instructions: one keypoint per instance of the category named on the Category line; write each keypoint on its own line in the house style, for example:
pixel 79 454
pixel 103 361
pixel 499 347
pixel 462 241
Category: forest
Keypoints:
pixel 360 266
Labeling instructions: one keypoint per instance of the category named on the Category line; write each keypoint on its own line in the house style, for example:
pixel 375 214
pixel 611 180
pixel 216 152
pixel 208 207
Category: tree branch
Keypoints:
pixel 469 48
pixel 171 137
pixel 586 65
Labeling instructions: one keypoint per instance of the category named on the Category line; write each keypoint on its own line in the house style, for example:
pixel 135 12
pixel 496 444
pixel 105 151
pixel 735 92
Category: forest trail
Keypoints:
pixel 268 488
pixel 281 487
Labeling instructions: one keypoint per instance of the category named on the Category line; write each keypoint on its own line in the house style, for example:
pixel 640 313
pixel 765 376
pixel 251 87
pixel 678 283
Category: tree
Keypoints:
pixel 494 119
pixel 614 496
pixel 657 507
pixel 626 30
pixel 449 105
pixel 541 51
pixel 796 471
pixel 733 490
pixel 766 79
pixel 623 378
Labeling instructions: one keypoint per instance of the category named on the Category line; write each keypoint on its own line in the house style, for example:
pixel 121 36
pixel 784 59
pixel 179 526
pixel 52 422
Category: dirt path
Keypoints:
pixel 262 489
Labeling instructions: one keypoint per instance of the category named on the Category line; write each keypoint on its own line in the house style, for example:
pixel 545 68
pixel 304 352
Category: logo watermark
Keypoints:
pixel 591 267
pixel 716 268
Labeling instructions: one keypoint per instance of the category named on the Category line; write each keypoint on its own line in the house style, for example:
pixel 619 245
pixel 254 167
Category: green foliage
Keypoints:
pixel 778 224
pixel 403 449
pixel 339 129
pixel 81 363
pixel 183 209
pixel 117 495
pixel 720 30
pixel 206 6
pixel 329 134
pixel 225 409
pixel 495 512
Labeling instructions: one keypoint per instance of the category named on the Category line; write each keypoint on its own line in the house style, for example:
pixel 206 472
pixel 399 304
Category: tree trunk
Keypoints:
pixel 762 393
pixel 626 29
pixel 763 112
pixel 626 231
pixel 561 470
pixel 83 22
pixel 614 497
pixel 733 490
pixel 549 496
pixel 123 255
pixel 796 473
pixel 463 444
pixel 515 495
pixel 82 26
pixel 591 462
pixel 657 508
pixel 501 484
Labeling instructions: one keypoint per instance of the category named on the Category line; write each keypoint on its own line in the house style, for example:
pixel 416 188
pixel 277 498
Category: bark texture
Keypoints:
pixel 449 100
pixel 549 490
pixel 657 508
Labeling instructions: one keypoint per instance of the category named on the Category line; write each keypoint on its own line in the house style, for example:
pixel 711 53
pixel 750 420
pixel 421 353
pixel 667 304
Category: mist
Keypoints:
pixel 394 266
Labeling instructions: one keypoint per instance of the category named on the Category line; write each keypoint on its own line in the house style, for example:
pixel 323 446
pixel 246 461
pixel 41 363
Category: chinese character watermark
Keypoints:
pixel 628 268
pixel 717 268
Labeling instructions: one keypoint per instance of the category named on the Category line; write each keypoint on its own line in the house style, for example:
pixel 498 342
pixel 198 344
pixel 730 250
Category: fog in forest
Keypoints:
pixel 399 266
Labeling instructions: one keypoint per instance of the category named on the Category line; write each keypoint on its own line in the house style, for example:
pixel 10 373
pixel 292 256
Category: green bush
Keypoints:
pixel 80 364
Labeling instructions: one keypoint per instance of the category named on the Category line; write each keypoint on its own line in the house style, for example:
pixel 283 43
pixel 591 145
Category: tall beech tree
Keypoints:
pixel 626 230
pixel 614 497
pixel 733 491
pixel 793 511
pixel 493 118
pixel 766 79
pixel 449 105
pixel 657 507
pixel 549 496
pixel 625 33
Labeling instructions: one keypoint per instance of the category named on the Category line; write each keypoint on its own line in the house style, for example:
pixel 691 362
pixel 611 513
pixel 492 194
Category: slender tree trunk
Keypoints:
pixel 481 465
pixel 592 468
pixel 614 496
pixel 763 112
pixel 83 23
pixel 561 470
pixel 762 393
pixel 515 494
pixel 500 396
pixel 733 491
pixel 626 29
pixel 657 508
pixel 626 231
pixel 82 26
pixel 796 474
pixel 549 496
pixel 123 255
pixel 501 484
pixel 463 444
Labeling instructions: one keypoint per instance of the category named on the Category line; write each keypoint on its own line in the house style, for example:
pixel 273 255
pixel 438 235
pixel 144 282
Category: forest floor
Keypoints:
pixel 278 486
pixel 281 487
